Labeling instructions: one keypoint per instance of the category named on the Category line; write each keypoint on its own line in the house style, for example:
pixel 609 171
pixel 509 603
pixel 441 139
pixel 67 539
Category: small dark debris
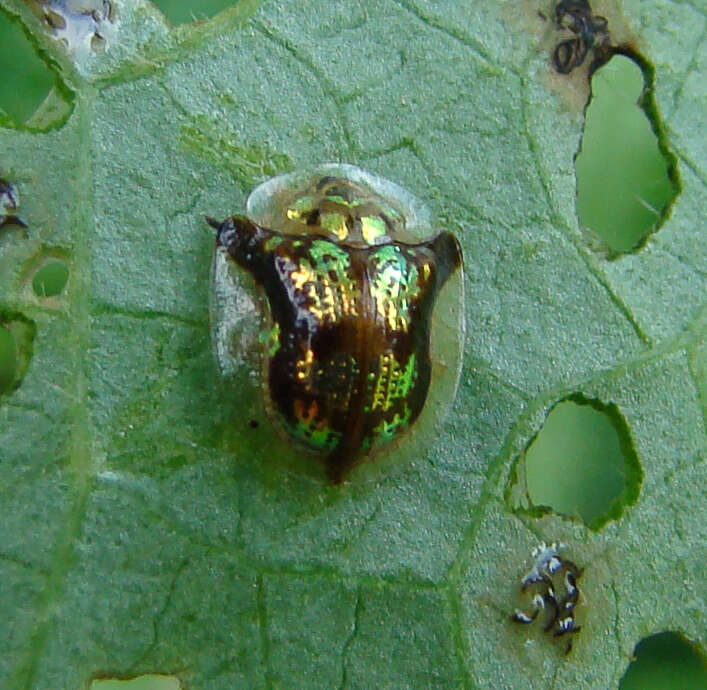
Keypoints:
pixel 253 423
pixel 591 32
pixel 9 201
pixel 552 583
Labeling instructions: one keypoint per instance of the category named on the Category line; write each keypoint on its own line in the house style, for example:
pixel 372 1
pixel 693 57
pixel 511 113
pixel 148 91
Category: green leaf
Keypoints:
pixel 146 529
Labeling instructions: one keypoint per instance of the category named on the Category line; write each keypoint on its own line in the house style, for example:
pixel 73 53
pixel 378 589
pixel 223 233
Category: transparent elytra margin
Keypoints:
pixel 241 324
pixel 267 203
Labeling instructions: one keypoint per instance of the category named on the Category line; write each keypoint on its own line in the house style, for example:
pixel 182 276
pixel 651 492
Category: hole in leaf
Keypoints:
pixel 582 463
pixel 663 662
pixel 147 682
pixel 31 94
pixel 50 280
pixel 16 338
pixel 26 79
pixel 184 11
pixel 626 178
pixel 8 360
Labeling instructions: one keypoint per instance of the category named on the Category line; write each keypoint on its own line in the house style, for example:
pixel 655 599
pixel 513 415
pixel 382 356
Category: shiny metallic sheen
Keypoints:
pixel 348 358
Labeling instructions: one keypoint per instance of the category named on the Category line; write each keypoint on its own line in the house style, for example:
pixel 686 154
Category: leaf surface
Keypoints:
pixel 146 528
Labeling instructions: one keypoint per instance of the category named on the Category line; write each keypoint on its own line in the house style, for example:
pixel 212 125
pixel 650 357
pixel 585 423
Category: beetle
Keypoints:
pixel 350 286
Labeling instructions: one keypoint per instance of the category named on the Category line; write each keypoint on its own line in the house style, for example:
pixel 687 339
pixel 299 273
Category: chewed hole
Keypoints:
pixel 32 95
pixel 666 660
pixel 26 80
pixel 180 12
pixel 50 280
pixel 8 360
pixel 16 340
pixel 582 463
pixel 146 682
pixel 626 179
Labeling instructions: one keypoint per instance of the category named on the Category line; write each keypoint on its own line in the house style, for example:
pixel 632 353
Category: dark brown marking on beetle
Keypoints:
pixel 348 345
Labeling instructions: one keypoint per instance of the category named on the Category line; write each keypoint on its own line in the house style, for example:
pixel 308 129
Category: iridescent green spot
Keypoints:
pixel 395 276
pixel 334 223
pixel 337 199
pixel 393 382
pixel 407 378
pixel 272 243
pixel 372 228
pixel 271 339
pixel 387 430
pixel 333 258
pixel 300 208
pixel 312 436
pixel 324 438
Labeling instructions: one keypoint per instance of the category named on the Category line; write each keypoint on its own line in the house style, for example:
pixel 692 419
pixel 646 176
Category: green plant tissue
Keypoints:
pixel 145 528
